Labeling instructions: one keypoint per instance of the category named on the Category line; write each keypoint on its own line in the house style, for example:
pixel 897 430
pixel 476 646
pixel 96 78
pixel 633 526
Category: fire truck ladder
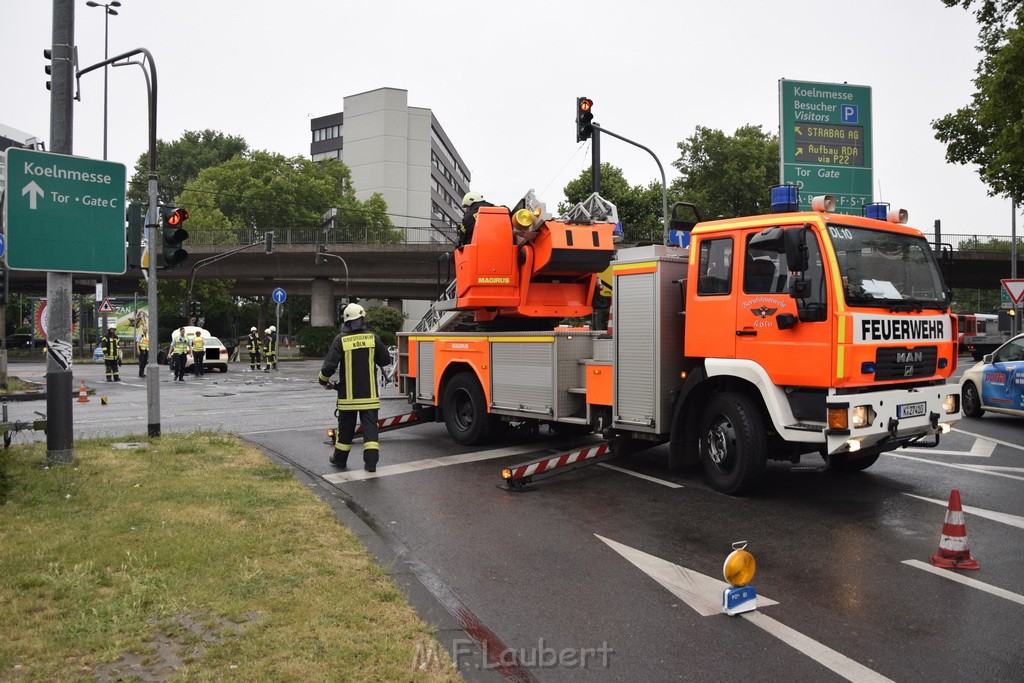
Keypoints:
pixel 518 477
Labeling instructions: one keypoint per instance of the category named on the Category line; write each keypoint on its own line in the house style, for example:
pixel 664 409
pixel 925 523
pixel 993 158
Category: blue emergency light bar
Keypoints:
pixel 878 210
pixel 785 198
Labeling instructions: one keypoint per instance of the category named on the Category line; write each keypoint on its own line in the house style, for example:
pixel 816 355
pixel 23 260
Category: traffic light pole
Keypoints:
pixel 664 186
pixel 152 226
pixel 60 435
pixel 213 259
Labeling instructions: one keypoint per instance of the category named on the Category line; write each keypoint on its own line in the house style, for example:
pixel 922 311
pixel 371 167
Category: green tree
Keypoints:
pixel 385 321
pixel 727 175
pixel 639 207
pixel 989 131
pixel 240 199
pixel 180 161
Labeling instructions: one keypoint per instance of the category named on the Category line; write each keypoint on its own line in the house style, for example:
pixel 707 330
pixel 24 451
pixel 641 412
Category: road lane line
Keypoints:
pixel 1004 517
pixel 823 654
pixel 969 468
pixel 973 583
pixel 431 463
pixel 670 484
pixel 982 448
pixel 988 438
pixel 701 593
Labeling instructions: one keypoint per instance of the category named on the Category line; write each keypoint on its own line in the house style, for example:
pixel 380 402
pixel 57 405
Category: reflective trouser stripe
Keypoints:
pixel 371 446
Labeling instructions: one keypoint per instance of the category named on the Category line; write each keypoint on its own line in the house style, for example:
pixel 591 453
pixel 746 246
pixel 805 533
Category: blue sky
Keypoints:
pixel 503 77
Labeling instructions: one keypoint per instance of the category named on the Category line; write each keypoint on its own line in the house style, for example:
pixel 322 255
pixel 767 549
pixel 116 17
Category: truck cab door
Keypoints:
pixel 792 352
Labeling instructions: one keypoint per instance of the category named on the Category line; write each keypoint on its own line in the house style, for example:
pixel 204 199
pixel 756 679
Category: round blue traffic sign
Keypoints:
pixel 279 296
pixel 3 245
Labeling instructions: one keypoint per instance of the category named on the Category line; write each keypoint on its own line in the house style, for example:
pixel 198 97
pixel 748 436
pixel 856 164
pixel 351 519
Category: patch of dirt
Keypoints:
pixel 170 652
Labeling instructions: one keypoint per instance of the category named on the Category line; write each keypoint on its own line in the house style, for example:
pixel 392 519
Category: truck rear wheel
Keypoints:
pixel 465 410
pixel 733 443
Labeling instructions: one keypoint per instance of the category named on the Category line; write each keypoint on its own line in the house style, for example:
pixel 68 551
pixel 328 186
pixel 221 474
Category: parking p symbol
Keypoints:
pixel 849 113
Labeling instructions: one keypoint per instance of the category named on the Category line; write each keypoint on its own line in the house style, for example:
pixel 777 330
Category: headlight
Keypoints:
pixel 862 416
pixel 951 404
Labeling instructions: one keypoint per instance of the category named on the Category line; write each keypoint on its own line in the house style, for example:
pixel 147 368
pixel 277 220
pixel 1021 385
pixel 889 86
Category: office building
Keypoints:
pixel 401 152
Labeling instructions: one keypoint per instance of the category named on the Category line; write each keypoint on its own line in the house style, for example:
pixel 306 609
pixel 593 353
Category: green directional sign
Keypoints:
pixel 64 213
pixel 825 141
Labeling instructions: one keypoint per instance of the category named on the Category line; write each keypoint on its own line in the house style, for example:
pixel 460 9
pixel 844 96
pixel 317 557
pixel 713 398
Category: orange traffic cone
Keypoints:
pixel 953 550
pixel 83 396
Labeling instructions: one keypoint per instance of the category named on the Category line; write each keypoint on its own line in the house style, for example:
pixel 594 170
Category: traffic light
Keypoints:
pixel 134 216
pixel 321 251
pixel 270 241
pixel 172 219
pixel 584 118
pixel 48 55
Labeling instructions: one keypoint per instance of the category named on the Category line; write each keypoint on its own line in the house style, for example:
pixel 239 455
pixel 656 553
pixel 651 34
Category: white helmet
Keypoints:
pixel 353 311
pixel 266 331
pixel 471 198
pixel 273 329
pixel 252 329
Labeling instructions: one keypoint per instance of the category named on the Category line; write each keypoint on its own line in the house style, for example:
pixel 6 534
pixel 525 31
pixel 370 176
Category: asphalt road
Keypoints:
pixel 614 573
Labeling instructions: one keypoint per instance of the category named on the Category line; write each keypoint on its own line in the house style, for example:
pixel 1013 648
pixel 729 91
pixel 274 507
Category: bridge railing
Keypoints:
pixel 369 235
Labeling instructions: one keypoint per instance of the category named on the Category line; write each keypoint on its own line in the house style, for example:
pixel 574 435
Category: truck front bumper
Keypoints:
pixel 882 420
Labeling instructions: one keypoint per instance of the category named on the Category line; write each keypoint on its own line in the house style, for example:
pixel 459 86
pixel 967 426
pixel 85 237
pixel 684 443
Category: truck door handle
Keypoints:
pixel 746 333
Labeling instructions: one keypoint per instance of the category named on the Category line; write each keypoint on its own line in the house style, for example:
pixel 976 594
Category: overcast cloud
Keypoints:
pixel 503 77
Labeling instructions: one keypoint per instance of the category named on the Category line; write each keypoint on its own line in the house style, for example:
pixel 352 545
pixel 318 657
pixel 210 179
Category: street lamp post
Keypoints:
pixel 108 8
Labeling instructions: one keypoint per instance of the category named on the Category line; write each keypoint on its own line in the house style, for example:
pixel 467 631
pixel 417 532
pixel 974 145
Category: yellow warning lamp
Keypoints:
pixel 739 566
pixel 523 218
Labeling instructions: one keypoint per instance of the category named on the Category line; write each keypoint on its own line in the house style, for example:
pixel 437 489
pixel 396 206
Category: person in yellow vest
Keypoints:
pixel 358 352
pixel 199 354
pixel 111 353
pixel 179 352
pixel 143 348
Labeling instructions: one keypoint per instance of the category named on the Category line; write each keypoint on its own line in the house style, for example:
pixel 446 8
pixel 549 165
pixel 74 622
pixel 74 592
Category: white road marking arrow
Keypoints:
pixel 704 595
pixel 33 191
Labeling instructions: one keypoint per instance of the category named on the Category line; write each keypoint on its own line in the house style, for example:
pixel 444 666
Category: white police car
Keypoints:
pixel 996 383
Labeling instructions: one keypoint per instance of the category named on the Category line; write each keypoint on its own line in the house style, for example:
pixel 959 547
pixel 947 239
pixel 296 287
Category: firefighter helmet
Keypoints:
pixel 471 198
pixel 353 311
pixel 252 329
pixel 273 329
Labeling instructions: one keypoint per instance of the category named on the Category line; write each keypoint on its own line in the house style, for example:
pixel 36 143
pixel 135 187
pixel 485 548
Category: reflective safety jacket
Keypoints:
pixel 144 343
pixel 355 355
pixel 110 348
pixel 180 346
pixel 198 344
pixel 254 343
pixel 268 344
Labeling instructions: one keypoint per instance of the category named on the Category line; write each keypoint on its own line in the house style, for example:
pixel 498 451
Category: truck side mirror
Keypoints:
pixel 796 248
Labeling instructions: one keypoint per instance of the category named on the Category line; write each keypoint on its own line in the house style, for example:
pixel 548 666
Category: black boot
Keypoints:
pixel 340 459
pixel 370 458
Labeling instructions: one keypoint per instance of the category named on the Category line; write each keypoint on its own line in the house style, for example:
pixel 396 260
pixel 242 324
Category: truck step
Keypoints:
pixel 806 427
pixel 574 420
pixel 577 390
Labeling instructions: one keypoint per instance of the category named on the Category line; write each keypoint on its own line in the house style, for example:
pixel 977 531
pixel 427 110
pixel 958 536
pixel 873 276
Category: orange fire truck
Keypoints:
pixel 766 338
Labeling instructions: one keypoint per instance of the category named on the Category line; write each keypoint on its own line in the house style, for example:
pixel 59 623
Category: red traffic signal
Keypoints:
pixel 584 118
pixel 176 217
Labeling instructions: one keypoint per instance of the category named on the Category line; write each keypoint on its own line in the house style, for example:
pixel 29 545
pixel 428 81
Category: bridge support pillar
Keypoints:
pixel 321 308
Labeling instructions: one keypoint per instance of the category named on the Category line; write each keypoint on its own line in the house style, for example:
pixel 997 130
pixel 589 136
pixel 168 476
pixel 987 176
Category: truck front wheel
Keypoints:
pixel 733 443
pixel 465 410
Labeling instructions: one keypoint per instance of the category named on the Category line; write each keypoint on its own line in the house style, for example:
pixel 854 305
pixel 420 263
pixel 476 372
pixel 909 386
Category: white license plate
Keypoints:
pixel 911 410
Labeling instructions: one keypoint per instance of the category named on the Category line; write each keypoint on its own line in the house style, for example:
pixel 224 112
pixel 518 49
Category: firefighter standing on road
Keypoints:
pixel 111 353
pixel 270 347
pixel 199 354
pixel 358 352
pixel 255 348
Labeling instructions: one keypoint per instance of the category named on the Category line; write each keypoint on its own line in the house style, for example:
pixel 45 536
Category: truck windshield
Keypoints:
pixel 892 270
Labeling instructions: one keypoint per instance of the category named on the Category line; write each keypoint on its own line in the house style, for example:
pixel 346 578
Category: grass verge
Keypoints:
pixel 190 556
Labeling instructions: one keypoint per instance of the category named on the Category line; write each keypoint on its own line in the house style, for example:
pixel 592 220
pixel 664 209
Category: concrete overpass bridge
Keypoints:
pixel 405 271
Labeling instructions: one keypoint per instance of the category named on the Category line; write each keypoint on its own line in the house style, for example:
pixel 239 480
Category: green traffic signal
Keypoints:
pixel 172 219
